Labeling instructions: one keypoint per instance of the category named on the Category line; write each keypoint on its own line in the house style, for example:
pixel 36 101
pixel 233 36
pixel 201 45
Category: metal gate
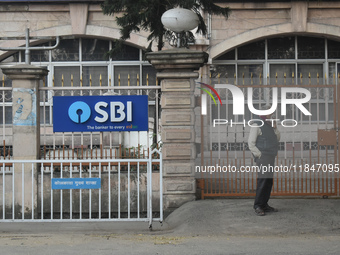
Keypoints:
pixel 307 163
pixel 129 190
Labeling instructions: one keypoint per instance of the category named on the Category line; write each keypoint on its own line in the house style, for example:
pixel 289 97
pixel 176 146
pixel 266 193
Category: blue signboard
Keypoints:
pixel 76 183
pixel 100 113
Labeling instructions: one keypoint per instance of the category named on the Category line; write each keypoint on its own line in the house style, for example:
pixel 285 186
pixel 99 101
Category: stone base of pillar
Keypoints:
pixel 177 72
pixel 172 202
pixel 179 183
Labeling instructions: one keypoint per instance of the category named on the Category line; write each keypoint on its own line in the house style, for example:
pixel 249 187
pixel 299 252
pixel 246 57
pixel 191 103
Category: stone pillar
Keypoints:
pixel 26 127
pixel 177 70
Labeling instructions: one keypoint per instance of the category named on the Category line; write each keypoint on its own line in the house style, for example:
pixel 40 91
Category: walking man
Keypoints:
pixel 263 143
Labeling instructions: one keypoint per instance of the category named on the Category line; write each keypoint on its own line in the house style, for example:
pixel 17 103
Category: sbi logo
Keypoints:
pixel 79 112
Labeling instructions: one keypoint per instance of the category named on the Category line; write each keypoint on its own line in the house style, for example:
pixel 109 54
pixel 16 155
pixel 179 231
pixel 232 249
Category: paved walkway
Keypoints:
pixel 228 226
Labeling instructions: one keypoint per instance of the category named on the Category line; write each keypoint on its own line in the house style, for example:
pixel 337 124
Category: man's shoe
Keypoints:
pixel 270 209
pixel 259 211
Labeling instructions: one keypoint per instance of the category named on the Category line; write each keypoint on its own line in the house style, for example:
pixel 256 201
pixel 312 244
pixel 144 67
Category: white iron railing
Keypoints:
pixel 130 190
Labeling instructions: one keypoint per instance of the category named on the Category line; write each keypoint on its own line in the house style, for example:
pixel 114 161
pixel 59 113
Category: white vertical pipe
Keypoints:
pixel 109 185
pixel 71 196
pixel 51 192
pixel 129 188
pixel 160 186
pixel 61 192
pixel 42 192
pixel 100 192
pixel 119 190
pixel 22 191
pixel 3 190
pixel 32 191
pixel 13 176
pixel 90 194
pixel 80 194
pixel 138 196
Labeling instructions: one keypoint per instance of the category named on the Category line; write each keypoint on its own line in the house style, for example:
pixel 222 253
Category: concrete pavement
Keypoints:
pixel 236 217
pixel 226 226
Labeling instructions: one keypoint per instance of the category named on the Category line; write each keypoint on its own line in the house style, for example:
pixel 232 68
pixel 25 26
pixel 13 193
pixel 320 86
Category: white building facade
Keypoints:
pixel 283 43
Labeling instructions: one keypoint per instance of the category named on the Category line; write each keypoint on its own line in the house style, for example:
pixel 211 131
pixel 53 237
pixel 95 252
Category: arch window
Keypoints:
pixel 284 61
pixel 82 56
pixel 284 56
pixel 85 62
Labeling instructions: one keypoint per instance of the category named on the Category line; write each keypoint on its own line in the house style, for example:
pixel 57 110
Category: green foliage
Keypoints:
pixel 136 15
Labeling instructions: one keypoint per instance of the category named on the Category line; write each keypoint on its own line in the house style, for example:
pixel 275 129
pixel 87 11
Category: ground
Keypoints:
pixel 228 226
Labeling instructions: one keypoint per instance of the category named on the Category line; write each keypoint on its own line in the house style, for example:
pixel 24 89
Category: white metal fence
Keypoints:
pixel 130 190
pixel 130 174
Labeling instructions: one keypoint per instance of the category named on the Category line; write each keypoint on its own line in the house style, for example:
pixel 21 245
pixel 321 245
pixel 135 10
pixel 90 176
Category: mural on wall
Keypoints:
pixel 24 107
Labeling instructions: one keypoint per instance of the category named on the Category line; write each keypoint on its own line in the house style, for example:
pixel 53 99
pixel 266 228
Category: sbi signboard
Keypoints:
pixel 100 113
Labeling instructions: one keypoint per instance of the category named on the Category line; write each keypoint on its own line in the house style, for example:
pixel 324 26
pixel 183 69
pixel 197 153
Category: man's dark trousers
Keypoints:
pixel 264 181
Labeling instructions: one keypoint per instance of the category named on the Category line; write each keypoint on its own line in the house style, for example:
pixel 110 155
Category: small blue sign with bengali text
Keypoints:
pixel 76 183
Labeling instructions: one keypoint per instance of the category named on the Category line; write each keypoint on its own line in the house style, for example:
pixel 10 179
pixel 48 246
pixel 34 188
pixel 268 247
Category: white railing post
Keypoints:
pixel 149 193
